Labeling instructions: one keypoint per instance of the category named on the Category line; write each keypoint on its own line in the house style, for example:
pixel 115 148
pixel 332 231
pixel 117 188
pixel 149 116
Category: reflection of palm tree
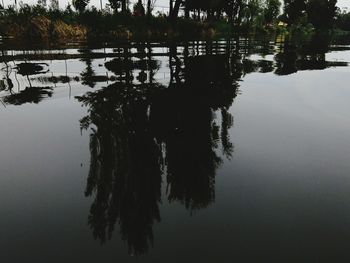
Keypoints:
pixel 183 117
pixel 137 129
pixel 126 167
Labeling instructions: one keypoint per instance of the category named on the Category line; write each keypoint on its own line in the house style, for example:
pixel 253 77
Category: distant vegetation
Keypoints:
pixel 185 18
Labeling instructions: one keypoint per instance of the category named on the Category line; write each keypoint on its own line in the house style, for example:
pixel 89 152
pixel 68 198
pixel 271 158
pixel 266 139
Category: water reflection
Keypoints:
pixel 184 119
pixel 27 69
pixel 125 167
pixel 141 131
pixel 146 132
pixel 140 62
pixel 306 56
pixel 29 95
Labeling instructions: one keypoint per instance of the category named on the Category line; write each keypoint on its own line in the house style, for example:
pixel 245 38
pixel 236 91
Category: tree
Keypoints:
pixel 271 10
pixel 150 5
pixel 116 4
pixel 321 13
pixel 138 9
pixel 42 3
pixel 54 5
pixel 80 5
pixel 124 6
pixel 294 9
pixel 253 10
pixel 175 8
pixel 234 10
pixel 343 21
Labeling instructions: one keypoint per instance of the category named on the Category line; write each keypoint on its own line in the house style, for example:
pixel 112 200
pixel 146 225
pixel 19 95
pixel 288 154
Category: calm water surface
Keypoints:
pixel 223 151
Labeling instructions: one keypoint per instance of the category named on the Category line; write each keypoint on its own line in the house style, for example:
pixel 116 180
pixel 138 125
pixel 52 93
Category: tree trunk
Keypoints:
pixel 171 7
pixel 187 12
pixel 176 9
pixel 149 11
pixel 124 6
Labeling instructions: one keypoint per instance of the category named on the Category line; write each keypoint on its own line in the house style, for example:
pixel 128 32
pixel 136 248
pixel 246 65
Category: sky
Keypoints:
pixel 159 3
pixel 344 3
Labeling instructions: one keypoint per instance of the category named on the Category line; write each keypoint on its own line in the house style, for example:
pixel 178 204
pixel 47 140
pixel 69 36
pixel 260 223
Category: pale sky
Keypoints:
pixel 344 3
pixel 160 3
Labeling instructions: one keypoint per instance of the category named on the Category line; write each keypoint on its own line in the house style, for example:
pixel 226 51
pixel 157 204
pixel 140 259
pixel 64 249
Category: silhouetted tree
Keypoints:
pixel 138 9
pixel 271 10
pixel 80 5
pixel 293 10
pixel 321 13
pixel 115 4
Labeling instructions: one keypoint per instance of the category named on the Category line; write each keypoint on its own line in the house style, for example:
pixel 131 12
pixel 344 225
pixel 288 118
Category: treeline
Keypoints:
pixel 185 17
pixel 234 12
pixel 343 21
pixel 319 13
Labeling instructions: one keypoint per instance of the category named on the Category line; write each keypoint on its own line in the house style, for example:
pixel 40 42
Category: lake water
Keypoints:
pixel 222 151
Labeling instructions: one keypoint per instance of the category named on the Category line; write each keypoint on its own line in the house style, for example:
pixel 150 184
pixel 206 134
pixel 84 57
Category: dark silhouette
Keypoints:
pixel 80 5
pixel 320 13
pixel 139 131
pixel 308 56
pixel 294 10
pixel 26 69
pixel 28 95
pixel 125 170
pixel 87 76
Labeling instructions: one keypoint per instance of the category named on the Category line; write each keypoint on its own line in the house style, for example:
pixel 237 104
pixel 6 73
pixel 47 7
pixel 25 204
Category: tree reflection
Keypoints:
pixel 311 55
pixel 126 165
pixel 26 68
pixel 141 131
pixel 28 95
pixel 88 74
pixel 183 117
pixel 136 63
pixel 126 161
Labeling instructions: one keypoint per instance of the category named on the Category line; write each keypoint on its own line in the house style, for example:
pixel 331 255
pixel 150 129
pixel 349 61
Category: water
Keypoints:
pixel 196 151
